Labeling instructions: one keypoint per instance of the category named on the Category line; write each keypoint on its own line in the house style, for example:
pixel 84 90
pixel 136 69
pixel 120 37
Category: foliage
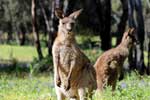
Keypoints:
pixel 41 66
pixel 16 14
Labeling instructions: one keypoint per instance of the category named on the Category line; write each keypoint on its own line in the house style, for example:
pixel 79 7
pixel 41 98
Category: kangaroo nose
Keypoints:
pixel 69 28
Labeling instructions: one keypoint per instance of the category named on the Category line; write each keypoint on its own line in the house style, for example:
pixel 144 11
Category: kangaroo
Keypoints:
pixel 109 65
pixel 73 72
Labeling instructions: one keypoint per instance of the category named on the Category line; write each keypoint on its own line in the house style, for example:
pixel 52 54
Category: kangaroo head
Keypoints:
pixel 66 23
pixel 129 38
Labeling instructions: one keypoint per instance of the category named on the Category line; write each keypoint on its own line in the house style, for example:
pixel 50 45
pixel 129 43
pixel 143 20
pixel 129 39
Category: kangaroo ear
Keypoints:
pixel 75 14
pixel 131 31
pixel 59 13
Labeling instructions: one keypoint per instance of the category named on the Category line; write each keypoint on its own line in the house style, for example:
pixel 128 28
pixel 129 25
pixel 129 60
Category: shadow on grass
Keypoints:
pixel 36 66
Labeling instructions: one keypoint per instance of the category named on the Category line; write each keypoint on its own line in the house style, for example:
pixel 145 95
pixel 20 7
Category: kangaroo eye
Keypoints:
pixel 72 24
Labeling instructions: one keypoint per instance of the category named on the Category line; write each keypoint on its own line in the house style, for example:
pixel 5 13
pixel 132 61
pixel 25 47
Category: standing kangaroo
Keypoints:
pixel 109 65
pixel 73 73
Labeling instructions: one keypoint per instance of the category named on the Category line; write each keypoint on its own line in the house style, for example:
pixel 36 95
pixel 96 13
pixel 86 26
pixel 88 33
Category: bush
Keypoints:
pixel 41 66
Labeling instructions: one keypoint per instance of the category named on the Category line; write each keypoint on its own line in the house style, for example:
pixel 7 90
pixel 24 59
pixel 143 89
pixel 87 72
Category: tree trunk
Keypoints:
pixel 138 57
pixel 124 18
pixel 69 7
pixel 58 3
pixel 148 66
pixel 35 30
pixel 22 34
pixel 103 8
pixel 53 23
pixel 9 25
pixel 9 32
pixel 50 40
pixel 141 33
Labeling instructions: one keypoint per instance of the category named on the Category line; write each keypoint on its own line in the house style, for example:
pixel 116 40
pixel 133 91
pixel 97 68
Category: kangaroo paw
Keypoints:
pixel 67 86
pixel 58 82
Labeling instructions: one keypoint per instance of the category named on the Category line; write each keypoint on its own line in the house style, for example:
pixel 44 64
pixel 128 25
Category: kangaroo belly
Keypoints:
pixel 65 57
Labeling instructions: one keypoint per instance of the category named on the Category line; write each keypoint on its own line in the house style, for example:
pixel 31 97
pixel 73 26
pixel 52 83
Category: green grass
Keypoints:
pixel 133 87
pixel 41 87
pixel 20 53
pixel 26 88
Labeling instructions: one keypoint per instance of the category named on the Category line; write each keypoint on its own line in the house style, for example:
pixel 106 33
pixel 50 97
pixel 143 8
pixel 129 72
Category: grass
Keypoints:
pixel 20 53
pixel 133 87
pixel 26 87
pixel 41 87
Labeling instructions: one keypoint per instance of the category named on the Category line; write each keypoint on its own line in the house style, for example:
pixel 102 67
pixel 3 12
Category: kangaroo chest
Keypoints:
pixel 68 57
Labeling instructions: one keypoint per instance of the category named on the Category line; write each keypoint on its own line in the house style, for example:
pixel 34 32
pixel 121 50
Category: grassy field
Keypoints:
pixel 41 87
pixel 25 86
pixel 20 53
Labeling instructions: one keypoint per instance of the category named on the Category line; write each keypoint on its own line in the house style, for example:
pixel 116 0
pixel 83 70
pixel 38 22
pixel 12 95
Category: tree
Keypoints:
pixel 35 30
pixel 103 9
pixel 22 33
pixel 50 37
pixel 10 22
pixel 148 66
pixel 136 58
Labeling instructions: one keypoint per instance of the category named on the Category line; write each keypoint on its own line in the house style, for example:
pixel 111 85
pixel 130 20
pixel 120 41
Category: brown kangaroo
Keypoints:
pixel 73 72
pixel 109 65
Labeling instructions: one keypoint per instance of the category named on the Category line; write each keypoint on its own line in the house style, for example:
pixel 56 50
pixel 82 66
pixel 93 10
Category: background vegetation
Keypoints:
pixel 26 68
